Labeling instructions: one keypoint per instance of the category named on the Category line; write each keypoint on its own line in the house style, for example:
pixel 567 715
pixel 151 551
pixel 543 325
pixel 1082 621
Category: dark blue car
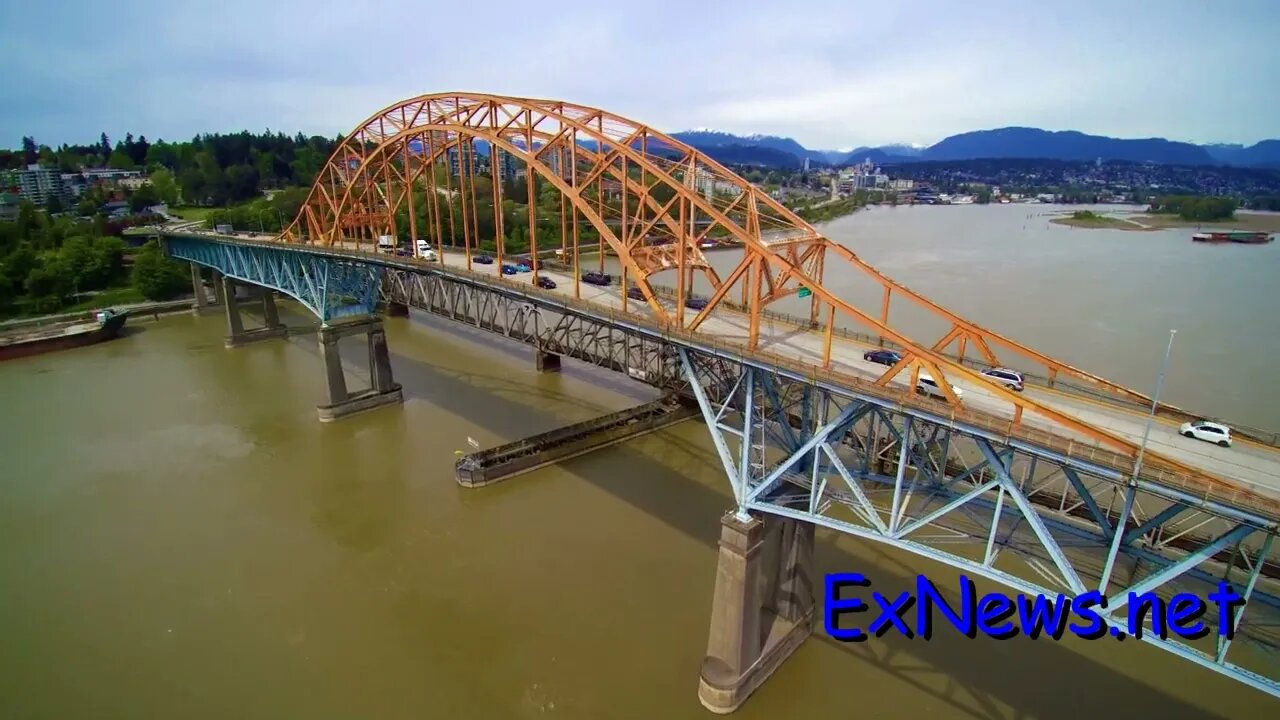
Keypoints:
pixel 482 260
pixel 883 357
pixel 508 269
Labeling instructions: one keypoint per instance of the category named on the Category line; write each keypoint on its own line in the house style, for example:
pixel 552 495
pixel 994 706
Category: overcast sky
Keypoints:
pixel 832 74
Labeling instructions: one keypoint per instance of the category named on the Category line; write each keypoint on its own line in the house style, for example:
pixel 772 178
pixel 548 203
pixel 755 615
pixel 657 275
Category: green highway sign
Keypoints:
pixel 804 292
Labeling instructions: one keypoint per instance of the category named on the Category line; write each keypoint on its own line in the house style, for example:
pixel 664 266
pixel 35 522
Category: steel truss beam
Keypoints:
pixel 330 287
pixel 1038 524
pixel 652 201
pixel 997 507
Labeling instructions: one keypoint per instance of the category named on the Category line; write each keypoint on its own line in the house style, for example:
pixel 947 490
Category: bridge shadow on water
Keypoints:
pixel 984 679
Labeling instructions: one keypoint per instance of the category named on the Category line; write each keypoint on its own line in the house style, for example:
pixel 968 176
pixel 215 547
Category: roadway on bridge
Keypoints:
pixel 1246 463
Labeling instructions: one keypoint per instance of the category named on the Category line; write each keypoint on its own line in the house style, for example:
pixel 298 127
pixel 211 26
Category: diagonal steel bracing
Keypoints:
pixel 973 508
pixel 331 288
pixel 797 446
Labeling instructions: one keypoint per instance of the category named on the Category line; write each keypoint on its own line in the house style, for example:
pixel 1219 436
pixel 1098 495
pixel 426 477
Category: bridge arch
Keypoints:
pixel 647 198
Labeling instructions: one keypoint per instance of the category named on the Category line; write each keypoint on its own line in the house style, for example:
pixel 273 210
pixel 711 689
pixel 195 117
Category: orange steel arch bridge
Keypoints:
pixel 807 429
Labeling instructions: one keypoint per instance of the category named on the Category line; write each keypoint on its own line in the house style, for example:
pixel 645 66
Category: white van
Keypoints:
pixel 425 252
pixel 926 385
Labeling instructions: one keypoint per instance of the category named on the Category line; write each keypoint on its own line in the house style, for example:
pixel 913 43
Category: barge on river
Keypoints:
pixel 1235 236
pixel 23 342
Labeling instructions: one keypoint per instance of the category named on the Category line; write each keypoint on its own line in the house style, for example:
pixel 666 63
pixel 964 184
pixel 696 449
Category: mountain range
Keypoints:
pixel 1009 142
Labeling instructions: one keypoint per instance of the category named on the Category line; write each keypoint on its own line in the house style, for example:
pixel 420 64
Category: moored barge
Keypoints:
pixel 24 342
pixel 1235 236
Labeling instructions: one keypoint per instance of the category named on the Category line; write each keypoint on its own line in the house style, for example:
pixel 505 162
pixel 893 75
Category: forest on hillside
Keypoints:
pixel 210 169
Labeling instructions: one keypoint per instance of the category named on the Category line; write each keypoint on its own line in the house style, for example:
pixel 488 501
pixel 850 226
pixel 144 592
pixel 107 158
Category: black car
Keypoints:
pixel 635 293
pixel 596 278
pixel 482 260
pixel 695 303
pixel 883 357
pixel 546 283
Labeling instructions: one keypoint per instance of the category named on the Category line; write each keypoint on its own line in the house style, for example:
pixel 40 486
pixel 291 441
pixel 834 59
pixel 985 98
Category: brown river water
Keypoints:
pixel 179 536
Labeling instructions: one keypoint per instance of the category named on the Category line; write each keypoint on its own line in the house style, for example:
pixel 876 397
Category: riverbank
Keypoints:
pixel 1087 219
pixel 1142 222
pixel 141 310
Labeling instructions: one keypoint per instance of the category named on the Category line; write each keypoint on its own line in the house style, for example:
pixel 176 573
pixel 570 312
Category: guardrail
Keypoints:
pixel 1264 437
pixel 1240 494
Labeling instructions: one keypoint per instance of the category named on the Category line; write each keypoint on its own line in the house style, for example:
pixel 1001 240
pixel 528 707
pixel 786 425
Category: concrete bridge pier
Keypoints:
pixel 546 361
pixel 237 335
pixel 397 309
pixel 203 304
pixel 383 390
pixel 763 606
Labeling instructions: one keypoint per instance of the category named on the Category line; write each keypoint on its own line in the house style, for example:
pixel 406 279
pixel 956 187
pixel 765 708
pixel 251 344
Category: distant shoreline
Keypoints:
pixel 1146 222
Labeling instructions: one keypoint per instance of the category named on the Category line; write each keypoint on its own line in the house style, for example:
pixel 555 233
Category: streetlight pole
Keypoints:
pixel 1155 402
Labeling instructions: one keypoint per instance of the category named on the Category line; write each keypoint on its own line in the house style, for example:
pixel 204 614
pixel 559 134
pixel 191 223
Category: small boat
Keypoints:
pixel 27 341
pixel 1235 236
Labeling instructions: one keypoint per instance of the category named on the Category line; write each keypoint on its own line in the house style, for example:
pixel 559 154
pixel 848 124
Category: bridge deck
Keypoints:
pixel 1246 475
pixel 1254 466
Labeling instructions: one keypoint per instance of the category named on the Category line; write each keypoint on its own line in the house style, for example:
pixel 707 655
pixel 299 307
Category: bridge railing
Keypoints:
pixel 1259 435
pixel 1239 493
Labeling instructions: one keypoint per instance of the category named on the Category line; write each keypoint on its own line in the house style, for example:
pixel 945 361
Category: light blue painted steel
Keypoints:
pixel 1155 580
pixel 1153 522
pixel 1224 642
pixel 901 473
pixel 331 287
pixel 1033 518
pixel 846 417
pixel 710 417
pixel 1087 497
pixel 1117 539
pixel 1235 672
pixel 748 419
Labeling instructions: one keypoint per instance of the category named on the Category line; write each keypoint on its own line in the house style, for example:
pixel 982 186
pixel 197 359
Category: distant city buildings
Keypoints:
pixel 37 184
pixel 863 176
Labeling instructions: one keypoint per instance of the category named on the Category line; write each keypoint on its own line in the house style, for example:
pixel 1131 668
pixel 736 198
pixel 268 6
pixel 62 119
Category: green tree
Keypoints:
pixel 16 266
pixel 143 198
pixel 120 160
pixel 50 282
pixel 166 187
pixel 156 276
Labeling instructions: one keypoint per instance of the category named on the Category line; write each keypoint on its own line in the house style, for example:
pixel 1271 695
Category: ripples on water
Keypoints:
pixel 179 536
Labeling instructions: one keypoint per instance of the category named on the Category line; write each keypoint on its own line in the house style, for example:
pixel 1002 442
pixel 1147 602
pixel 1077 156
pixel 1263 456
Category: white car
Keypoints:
pixel 1207 431
pixel 1011 379
pixel 925 385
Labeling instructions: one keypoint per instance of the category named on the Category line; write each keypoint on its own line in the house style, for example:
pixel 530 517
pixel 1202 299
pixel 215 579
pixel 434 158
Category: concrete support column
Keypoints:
pixel 397 309
pixel 269 314
pixel 337 383
pixel 235 325
pixel 235 322
pixel 219 290
pixel 762 609
pixel 382 390
pixel 380 361
pixel 547 362
pixel 201 303
pixel 793 600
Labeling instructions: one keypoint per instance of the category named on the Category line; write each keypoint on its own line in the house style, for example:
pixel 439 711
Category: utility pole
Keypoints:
pixel 1155 402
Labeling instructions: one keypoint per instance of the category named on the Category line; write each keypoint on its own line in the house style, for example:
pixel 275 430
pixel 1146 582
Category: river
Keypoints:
pixel 179 536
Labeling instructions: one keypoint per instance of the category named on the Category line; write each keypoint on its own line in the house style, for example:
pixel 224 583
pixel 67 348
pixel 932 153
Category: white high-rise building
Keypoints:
pixel 38 184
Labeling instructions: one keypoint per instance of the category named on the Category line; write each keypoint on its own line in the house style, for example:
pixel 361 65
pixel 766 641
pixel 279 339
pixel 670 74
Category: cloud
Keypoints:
pixel 831 73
